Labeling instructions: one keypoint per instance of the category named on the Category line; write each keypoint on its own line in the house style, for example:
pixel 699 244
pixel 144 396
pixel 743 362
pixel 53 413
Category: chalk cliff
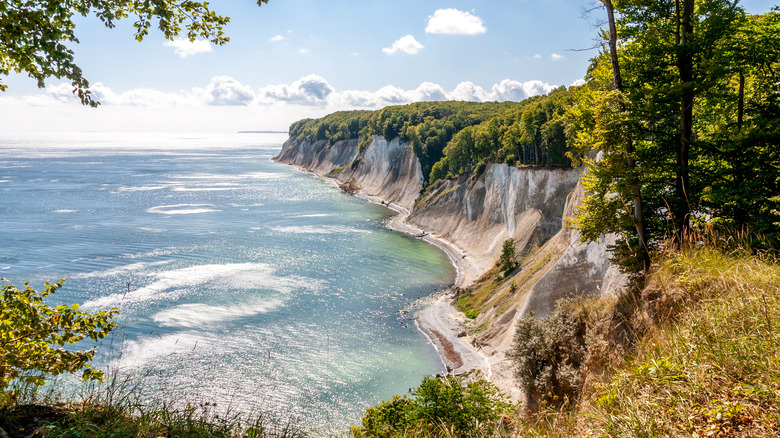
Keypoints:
pixel 475 214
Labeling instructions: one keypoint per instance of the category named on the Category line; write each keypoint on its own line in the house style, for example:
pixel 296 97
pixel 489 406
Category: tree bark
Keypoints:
pixel 636 190
pixel 685 67
pixel 741 101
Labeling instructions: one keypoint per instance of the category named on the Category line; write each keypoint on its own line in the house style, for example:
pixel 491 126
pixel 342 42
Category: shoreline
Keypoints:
pixel 439 321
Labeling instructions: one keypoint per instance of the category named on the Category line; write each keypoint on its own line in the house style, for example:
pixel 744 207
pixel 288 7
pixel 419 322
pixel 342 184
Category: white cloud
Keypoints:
pixel 277 38
pixel 309 90
pixel 406 44
pixel 226 91
pixel 106 96
pixel 225 104
pixel 62 92
pixel 537 56
pixel 428 91
pixel 557 57
pixel 578 82
pixel 468 91
pixel 184 47
pixel 454 22
pixel 516 91
pixel 303 50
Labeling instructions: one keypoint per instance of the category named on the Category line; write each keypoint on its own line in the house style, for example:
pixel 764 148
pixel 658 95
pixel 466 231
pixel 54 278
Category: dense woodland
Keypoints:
pixel 451 138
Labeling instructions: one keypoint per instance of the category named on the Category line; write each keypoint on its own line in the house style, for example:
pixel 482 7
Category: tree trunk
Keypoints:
pixel 741 101
pixel 685 66
pixel 636 190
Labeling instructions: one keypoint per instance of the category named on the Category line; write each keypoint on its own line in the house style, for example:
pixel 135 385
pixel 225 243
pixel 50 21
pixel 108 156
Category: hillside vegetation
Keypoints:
pixel 696 353
pixel 452 138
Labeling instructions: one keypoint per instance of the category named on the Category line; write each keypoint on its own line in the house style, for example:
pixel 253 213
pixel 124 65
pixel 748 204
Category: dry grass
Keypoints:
pixel 704 359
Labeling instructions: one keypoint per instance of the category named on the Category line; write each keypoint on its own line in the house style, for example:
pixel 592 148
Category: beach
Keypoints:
pixel 439 320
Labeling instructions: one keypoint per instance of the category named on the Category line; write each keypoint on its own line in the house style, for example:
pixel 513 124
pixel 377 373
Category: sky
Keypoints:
pixel 292 59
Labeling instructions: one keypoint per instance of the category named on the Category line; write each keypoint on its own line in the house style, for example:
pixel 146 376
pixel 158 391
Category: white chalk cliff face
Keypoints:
pixel 476 214
pixel 387 170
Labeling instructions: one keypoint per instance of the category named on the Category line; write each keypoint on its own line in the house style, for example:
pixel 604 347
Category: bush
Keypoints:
pixel 461 405
pixel 549 355
pixel 32 337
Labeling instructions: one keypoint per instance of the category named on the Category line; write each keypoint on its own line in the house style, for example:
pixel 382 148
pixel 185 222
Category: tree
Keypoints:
pixel 507 259
pixel 33 334
pixel 549 354
pixel 683 108
pixel 34 36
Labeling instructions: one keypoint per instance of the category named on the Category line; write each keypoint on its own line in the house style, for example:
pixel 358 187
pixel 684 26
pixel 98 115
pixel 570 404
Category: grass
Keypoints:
pixel 701 358
pixel 493 290
pixel 707 359
pixel 116 410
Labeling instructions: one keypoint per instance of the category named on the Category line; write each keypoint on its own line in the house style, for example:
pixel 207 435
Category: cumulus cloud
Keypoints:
pixel 454 22
pixel 62 92
pixel 556 57
pixel 226 91
pixel 514 90
pixel 225 103
pixel 406 44
pixel 276 38
pixel 537 56
pixel 309 90
pixel 184 47
pixel 578 82
pixel 428 92
pixel 106 96
pixel 468 91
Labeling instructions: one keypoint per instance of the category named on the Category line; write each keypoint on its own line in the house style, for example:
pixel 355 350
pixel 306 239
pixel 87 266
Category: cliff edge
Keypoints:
pixel 470 217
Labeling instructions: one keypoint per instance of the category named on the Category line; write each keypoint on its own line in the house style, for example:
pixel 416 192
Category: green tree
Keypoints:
pixel 35 35
pixel 33 336
pixel 507 259
pixel 683 109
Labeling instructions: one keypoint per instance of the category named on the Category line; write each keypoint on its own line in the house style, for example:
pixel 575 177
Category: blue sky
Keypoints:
pixel 305 58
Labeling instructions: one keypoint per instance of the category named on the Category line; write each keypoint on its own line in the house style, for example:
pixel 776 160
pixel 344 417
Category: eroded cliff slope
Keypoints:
pixel 476 214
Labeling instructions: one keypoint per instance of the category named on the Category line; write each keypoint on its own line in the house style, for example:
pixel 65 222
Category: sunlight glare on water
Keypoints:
pixel 240 281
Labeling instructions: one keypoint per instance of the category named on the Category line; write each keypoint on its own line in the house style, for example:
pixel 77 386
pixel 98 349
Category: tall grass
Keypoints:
pixel 704 359
pixel 119 409
pixel 714 369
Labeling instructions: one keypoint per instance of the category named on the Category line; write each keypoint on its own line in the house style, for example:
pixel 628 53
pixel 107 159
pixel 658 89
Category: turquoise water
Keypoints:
pixel 240 281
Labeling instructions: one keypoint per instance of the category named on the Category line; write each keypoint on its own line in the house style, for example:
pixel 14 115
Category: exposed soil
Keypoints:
pixel 23 421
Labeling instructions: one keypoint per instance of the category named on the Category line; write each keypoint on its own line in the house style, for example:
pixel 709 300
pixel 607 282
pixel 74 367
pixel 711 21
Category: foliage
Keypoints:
pixel 461 406
pixel 715 370
pixel 690 138
pixel 34 36
pixel 507 260
pixel 705 354
pixel 451 138
pixel 33 334
pixel 549 354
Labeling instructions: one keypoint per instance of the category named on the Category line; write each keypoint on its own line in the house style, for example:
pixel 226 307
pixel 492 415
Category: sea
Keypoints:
pixel 241 282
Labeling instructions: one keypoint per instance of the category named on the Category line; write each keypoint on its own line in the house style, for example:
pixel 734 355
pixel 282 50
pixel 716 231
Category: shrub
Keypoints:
pixel 549 355
pixel 461 405
pixel 32 337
